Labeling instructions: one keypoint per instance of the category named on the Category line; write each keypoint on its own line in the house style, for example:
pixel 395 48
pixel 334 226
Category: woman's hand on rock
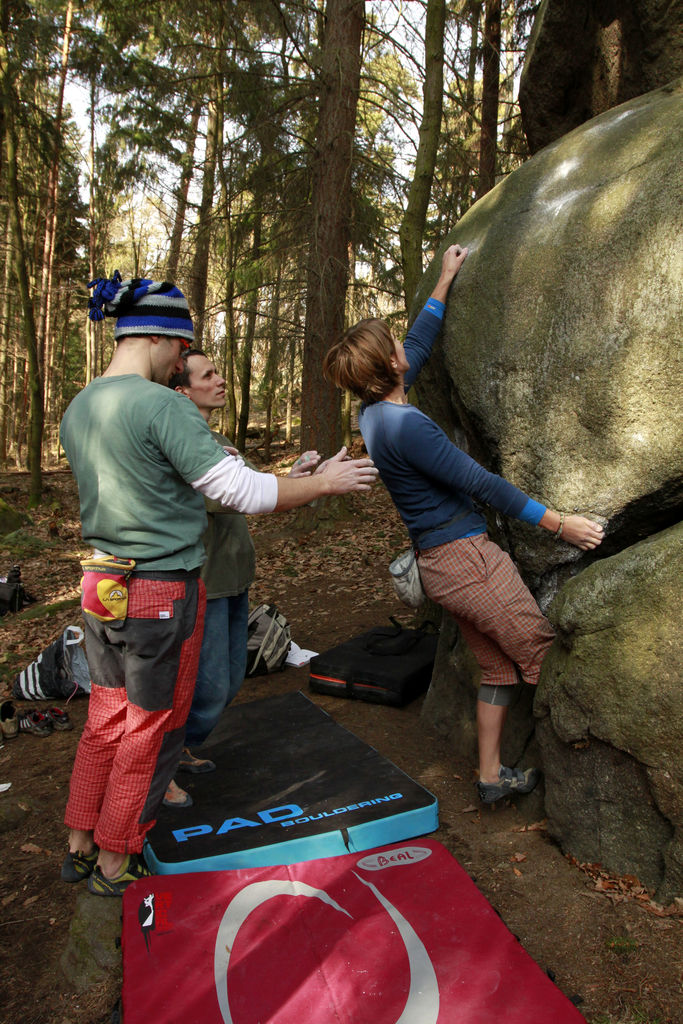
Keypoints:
pixel 453 259
pixel 582 533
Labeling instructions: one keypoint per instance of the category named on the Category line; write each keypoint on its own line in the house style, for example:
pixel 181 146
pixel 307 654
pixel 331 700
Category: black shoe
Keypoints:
pixel 35 722
pixel 60 719
pixel 510 781
pixel 175 804
pixel 78 866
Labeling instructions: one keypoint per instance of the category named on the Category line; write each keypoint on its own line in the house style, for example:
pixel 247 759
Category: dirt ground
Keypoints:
pixel 605 943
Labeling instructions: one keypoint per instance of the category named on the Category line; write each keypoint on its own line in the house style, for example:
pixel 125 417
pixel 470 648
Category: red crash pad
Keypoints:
pixel 398 935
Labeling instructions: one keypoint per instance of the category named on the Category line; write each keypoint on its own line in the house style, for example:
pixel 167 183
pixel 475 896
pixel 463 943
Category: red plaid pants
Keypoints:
pixel 143 675
pixel 478 584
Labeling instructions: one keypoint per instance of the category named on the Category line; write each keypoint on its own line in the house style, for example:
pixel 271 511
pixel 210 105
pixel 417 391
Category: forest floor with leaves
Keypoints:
pixel 603 940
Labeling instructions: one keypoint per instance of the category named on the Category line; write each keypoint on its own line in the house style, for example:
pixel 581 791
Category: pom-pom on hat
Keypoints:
pixel 141 307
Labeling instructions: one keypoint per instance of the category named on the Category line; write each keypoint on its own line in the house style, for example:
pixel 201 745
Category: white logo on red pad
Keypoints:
pixel 422 1004
pixel 394 858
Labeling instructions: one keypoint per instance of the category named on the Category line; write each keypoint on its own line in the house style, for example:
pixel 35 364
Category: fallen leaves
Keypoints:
pixel 537 826
pixel 517 858
pixel 619 888
pixel 29 848
pixel 32 848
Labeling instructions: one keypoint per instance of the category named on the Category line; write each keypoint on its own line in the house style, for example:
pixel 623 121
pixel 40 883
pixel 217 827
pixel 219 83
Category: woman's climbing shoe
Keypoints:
pixel 510 781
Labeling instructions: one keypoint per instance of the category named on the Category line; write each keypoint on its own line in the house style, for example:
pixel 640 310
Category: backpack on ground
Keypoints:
pixel 12 594
pixel 60 671
pixel 268 642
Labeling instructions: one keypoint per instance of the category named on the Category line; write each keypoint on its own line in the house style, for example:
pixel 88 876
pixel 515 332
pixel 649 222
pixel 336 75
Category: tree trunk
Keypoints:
pixel 469 175
pixel 346 419
pixel 327 273
pixel 200 264
pixel 271 367
pixel 509 131
pixel 181 196
pixel 21 270
pixel 5 318
pixel 411 230
pixel 248 347
pixel 290 389
pixel 489 99
pixel 229 354
pixel 45 335
pixel 91 328
pixel 229 348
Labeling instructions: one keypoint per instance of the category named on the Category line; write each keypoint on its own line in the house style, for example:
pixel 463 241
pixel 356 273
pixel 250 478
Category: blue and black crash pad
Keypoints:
pixel 291 785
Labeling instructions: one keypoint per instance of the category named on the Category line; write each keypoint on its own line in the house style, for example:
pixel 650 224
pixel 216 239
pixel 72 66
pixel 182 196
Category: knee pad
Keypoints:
pixel 501 696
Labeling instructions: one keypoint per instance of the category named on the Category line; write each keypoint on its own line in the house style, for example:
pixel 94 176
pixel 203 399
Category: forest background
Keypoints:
pixel 291 166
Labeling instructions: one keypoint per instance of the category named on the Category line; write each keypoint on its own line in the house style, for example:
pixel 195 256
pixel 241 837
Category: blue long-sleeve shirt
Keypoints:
pixel 433 484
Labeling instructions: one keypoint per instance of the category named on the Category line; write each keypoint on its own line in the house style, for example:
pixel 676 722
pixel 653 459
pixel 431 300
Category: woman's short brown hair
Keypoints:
pixel 361 361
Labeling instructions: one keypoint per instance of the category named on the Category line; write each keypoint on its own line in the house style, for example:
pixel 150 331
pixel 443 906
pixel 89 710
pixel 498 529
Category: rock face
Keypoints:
pixel 93 952
pixel 610 708
pixel 561 354
pixel 585 57
pixel 562 337
pixel 10 519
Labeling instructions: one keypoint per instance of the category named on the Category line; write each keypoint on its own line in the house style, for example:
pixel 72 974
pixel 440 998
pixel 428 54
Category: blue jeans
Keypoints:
pixel 222 664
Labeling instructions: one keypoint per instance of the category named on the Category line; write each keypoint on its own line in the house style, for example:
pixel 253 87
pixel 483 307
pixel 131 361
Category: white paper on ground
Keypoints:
pixel 298 656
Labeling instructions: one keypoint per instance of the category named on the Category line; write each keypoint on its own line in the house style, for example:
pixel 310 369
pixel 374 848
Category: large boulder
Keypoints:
pixel 584 57
pixel 610 709
pixel 562 337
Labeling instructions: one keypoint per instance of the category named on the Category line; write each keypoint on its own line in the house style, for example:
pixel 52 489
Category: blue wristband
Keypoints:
pixel 532 512
pixel 435 307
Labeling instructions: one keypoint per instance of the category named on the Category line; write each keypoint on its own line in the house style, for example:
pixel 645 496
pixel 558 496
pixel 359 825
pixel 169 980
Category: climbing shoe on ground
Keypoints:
pixel 132 869
pixel 35 722
pixel 78 866
pixel 9 720
pixel 196 765
pixel 510 781
pixel 59 718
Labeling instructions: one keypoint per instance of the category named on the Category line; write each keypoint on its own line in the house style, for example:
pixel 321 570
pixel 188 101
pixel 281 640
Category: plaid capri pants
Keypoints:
pixel 143 675
pixel 479 585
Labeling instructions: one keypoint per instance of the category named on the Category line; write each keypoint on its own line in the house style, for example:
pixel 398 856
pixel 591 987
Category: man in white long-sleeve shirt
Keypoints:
pixel 143 458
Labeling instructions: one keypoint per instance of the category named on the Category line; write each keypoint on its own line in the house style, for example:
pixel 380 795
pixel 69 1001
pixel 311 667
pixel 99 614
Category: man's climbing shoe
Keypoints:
pixel 195 765
pixel 132 869
pixel 78 866
pixel 176 797
pixel 510 781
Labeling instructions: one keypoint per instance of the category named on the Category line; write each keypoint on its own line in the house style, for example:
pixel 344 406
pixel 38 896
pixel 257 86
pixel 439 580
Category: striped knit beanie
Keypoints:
pixel 141 307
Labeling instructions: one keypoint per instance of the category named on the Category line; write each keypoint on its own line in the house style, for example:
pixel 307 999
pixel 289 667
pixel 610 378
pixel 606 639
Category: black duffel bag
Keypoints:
pixel 387 665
